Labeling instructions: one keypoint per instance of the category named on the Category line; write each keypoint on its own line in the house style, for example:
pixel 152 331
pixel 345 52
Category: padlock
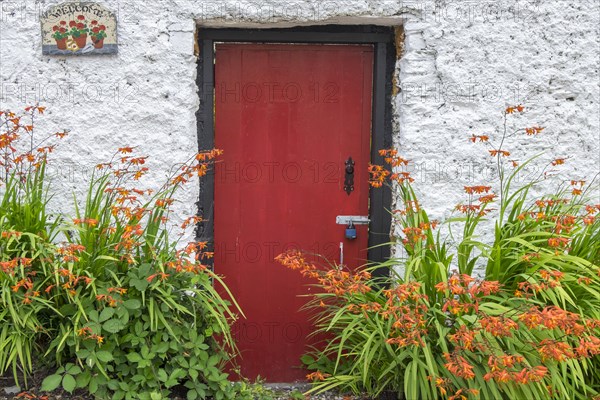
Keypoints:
pixel 351 231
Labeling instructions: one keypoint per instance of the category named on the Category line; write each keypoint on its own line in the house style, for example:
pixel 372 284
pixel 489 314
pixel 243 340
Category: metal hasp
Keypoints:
pixel 354 219
pixel 349 180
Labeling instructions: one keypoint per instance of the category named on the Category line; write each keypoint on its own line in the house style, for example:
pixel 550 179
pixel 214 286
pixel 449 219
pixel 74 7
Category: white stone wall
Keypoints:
pixel 463 63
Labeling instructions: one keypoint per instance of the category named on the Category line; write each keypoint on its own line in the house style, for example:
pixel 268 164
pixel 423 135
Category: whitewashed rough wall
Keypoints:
pixel 463 63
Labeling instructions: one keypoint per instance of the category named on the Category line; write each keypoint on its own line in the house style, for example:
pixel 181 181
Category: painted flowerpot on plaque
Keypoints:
pixel 98 33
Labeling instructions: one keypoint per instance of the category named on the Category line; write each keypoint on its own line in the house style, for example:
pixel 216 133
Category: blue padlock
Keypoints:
pixel 351 231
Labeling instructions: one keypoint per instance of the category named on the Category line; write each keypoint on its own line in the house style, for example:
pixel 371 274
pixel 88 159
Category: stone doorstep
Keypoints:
pixel 281 388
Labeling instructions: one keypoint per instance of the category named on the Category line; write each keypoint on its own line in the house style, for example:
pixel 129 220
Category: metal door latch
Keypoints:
pixel 352 219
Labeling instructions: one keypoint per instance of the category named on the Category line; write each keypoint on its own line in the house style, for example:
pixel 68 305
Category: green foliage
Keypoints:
pixel 528 329
pixel 372 348
pixel 121 309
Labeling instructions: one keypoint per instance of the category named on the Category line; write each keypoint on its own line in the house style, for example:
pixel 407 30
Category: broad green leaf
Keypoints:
pixel 104 356
pixel 113 325
pixel 51 382
pixel 69 383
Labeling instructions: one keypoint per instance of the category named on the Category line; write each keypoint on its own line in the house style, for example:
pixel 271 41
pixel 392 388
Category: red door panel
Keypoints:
pixel 287 118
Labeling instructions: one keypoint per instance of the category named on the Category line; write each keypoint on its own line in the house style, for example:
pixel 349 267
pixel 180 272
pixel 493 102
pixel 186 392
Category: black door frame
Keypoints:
pixel 382 39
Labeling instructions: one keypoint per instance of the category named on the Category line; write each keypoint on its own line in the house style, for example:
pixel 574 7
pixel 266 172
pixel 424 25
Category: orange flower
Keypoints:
pixel 459 366
pixel 527 375
pixel 464 336
pixel 558 242
pixel 84 331
pixel 466 208
pixel 536 130
pixel 503 153
pixel 584 279
pixel 488 198
pixel 486 288
pixel 480 138
pixel 498 326
pixel 555 350
pixel 378 175
pixel 317 376
pixel 391 157
pixel 588 347
pixel 558 161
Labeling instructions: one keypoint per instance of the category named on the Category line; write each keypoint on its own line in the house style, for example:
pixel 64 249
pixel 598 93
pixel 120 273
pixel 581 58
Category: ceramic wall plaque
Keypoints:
pixel 79 28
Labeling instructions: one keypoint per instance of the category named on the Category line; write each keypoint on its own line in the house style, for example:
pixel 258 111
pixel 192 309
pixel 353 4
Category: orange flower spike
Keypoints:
pixel 489 287
pixel 555 350
pixel 84 331
pixel 477 189
pixel 459 366
pixel 138 161
pixel 499 326
pixel 488 198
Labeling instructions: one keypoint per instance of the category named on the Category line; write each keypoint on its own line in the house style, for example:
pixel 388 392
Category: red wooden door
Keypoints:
pixel 287 118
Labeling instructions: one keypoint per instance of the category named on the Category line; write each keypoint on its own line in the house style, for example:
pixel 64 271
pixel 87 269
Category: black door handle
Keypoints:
pixel 349 179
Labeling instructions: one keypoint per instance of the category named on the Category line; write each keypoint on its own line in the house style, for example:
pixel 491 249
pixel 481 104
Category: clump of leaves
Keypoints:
pixel 529 329
pixel 120 308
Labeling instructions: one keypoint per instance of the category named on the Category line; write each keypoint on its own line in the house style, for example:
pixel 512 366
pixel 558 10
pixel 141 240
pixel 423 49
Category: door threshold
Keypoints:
pixel 301 386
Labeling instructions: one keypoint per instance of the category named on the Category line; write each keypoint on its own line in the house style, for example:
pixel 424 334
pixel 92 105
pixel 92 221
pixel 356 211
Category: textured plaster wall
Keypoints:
pixel 463 62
